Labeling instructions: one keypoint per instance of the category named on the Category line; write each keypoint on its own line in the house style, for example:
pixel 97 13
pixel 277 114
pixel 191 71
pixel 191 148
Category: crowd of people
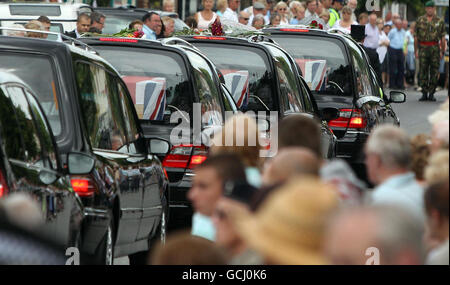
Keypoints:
pixel 401 46
pixel 297 208
pixel 409 54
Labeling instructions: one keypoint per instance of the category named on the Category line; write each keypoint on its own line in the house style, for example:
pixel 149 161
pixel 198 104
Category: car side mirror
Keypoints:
pixel 157 146
pixel 80 163
pixel 329 114
pixel 397 97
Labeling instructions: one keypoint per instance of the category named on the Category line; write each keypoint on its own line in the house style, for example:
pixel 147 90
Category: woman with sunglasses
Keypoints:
pixel 282 10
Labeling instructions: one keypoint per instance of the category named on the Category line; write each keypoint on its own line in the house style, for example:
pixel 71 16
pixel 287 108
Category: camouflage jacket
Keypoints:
pixel 430 31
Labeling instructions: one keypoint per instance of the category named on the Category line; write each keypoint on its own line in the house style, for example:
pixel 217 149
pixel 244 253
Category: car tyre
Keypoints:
pixel 105 252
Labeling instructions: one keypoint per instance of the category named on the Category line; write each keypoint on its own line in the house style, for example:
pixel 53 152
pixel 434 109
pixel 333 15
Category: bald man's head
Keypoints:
pixel 291 162
pixel 373 19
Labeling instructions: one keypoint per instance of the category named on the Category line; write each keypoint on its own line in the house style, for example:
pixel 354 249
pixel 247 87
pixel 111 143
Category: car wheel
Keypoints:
pixel 105 251
pixel 161 233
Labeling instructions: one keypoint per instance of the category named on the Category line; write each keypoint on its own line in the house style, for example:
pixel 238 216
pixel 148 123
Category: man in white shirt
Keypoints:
pixel 353 4
pixel 372 33
pixel 311 7
pixel 388 158
pixel 230 13
pixel 208 187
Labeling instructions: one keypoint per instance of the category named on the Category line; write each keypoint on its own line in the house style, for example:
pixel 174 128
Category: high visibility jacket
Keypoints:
pixel 334 17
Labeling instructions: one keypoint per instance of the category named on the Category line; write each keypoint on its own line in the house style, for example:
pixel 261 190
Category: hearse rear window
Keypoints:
pixel 157 80
pixel 34 10
pixel 230 60
pixel 36 71
pixel 324 64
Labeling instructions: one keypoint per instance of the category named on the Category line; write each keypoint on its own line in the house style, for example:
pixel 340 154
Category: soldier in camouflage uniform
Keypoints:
pixel 430 30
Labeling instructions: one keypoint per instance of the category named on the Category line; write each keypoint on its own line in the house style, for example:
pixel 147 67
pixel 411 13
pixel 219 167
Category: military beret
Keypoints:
pixel 430 4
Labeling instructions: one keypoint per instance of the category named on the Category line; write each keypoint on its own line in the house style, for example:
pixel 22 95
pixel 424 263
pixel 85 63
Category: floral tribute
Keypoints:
pixel 316 25
pixel 125 33
pixel 222 28
pixel 129 33
pixel 216 28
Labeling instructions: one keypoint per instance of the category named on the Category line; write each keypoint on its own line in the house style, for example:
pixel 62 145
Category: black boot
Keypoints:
pixel 424 96
pixel 431 98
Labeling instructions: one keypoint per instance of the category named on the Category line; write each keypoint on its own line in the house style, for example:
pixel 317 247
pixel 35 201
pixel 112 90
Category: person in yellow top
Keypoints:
pixel 334 12
pixel 429 46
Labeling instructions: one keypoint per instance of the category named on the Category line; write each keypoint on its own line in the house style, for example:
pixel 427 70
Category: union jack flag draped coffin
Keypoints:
pixel 149 96
pixel 314 73
pixel 237 84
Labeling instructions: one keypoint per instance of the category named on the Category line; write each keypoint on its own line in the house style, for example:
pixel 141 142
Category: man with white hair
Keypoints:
pixel 388 159
pixel 353 4
pixel 440 132
pixel 440 136
pixel 356 235
pixel 168 6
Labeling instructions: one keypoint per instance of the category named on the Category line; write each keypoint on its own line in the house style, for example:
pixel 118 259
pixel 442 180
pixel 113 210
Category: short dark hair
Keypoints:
pixel 183 248
pixel 148 16
pixel 228 167
pixel 44 19
pixel 84 16
pixel 191 22
pixel 300 131
pixel 96 16
pixel 436 198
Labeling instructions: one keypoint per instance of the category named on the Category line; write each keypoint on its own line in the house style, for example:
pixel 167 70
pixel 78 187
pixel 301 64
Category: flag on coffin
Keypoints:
pixel 237 83
pixel 148 95
pixel 314 73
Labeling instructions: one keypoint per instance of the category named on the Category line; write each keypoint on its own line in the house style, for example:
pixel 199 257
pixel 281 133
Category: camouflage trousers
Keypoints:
pixel 429 59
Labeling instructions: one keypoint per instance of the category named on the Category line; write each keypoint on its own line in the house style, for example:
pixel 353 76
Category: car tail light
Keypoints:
pixel 185 156
pixel 118 40
pixel 295 30
pixel 3 185
pixel 83 186
pixel 351 118
pixel 209 38
pixel 199 154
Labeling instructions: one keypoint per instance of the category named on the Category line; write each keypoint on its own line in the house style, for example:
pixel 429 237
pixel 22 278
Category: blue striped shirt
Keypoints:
pixel 397 38
pixel 149 33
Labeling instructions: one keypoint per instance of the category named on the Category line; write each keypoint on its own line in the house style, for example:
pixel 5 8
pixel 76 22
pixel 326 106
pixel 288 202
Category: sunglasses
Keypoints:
pixel 282 9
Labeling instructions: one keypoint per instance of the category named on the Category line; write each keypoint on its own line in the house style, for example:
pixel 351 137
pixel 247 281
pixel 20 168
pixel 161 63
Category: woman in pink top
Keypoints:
pixel 206 16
